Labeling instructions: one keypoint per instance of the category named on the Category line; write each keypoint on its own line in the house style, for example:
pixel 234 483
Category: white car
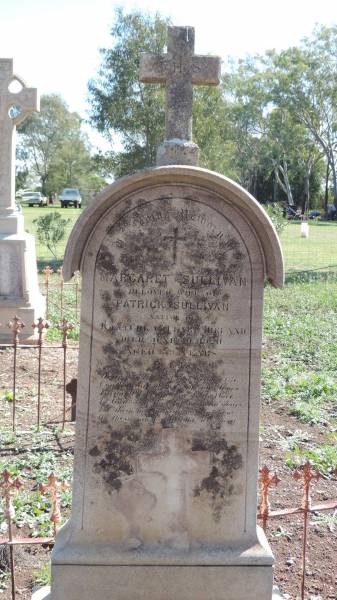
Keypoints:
pixel 32 198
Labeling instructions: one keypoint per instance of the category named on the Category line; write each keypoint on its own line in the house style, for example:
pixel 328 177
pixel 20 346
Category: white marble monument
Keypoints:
pixel 173 263
pixel 19 291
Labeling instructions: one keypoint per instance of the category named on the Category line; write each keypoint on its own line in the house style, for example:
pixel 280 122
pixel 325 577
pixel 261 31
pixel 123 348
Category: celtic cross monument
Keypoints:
pixel 19 292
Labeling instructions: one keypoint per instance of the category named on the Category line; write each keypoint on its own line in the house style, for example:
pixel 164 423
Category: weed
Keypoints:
pixel 282 532
pixel 4 580
pixel 7 438
pixel 322 457
pixel 326 521
pixel 43 576
pixel 309 412
pixel 8 396
pixel 294 439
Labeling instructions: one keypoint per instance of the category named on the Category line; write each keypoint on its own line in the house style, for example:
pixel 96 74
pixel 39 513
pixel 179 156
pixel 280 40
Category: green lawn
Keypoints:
pixel 316 253
pixel 44 257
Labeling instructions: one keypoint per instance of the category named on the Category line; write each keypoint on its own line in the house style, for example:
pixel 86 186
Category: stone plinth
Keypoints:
pixel 173 263
pixel 19 291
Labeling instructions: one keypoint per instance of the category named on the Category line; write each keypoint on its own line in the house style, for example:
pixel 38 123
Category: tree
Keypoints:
pixel 55 147
pixel 50 230
pixel 304 81
pixel 124 110
pixel 274 155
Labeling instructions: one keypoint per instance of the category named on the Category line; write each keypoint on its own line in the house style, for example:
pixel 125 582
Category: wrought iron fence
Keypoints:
pixel 304 476
pixel 8 488
pixel 60 295
pixel 65 327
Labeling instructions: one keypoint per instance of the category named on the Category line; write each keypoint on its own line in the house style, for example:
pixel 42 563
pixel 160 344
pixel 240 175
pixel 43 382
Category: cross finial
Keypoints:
pixel 14 108
pixel 54 487
pixel 47 271
pixel 65 326
pixel 179 69
pixel 266 480
pixel 9 486
pixel 16 325
pixel 41 324
pixel 308 475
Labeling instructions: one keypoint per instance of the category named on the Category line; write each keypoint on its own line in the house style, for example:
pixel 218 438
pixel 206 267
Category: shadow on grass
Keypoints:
pixel 311 275
pixel 53 263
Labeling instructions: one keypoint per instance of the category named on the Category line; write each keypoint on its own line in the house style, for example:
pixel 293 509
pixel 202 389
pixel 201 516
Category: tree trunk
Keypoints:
pixel 334 181
pixel 285 185
pixel 43 185
pixel 326 195
pixel 306 192
pixel 275 189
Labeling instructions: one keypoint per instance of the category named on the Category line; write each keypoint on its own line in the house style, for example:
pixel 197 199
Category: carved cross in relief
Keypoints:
pixel 14 108
pixel 179 69
pixel 175 239
pixel 174 463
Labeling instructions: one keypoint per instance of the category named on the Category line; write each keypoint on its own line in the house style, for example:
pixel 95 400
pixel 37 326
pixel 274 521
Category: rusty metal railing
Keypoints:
pixel 55 289
pixel 16 325
pixel 305 475
pixel 8 488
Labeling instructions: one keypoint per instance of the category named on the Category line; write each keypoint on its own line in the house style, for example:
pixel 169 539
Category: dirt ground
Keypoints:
pixel 285 534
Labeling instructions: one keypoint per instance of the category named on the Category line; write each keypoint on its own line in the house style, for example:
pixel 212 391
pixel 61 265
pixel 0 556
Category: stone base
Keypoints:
pixel 19 290
pixel 161 583
pixel 178 152
pixel 44 594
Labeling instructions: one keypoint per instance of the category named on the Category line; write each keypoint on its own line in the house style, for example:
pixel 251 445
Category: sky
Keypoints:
pixel 55 43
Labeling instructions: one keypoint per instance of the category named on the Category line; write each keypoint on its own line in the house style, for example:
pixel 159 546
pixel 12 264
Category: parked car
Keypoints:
pixel 70 196
pixel 32 198
pixel 313 214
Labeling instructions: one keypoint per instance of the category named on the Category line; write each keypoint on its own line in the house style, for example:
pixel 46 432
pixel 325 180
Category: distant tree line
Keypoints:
pixel 271 125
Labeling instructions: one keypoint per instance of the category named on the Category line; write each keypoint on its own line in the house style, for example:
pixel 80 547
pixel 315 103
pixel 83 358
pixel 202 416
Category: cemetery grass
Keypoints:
pixel 44 256
pixel 299 421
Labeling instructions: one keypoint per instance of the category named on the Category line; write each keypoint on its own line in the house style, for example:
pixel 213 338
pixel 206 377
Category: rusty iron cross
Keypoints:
pixel 47 271
pixel 65 326
pixel 266 480
pixel 16 325
pixel 307 475
pixel 41 324
pixel 179 69
pixel 54 487
pixel 9 487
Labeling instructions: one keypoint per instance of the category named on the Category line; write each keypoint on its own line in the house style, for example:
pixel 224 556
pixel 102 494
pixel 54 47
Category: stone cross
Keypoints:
pixel 179 69
pixel 14 108
pixel 175 239
pixel 174 462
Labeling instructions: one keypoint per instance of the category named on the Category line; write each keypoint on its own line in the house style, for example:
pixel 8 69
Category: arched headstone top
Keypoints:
pixel 223 189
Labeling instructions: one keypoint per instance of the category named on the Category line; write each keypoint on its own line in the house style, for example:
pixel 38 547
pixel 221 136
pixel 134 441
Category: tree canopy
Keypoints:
pixel 124 110
pixel 271 125
pixel 53 145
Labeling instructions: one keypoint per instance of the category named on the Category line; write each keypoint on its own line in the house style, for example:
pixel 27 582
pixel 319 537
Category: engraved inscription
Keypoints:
pixel 170 281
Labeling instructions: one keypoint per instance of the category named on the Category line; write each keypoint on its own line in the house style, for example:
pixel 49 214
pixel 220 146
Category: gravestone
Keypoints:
pixel 19 292
pixel 173 262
